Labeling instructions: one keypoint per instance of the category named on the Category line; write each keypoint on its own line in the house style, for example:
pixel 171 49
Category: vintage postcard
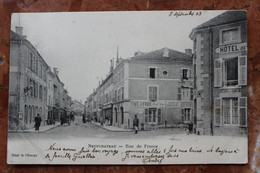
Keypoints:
pixel 139 87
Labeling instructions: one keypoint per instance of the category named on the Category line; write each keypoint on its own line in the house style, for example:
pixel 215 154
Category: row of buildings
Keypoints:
pixel 34 87
pixel 205 88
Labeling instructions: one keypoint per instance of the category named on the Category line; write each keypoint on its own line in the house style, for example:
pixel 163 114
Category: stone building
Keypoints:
pixel 155 86
pixel 27 89
pixel 220 74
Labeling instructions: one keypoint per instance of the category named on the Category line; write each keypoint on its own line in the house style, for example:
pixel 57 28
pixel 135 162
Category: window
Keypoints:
pixel 115 115
pixel 40 92
pixel 152 72
pixel 36 67
pixel 186 114
pixel 179 93
pixel 122 115
pixel 31 61
pixel 230 71
pixel 118 94
pixel 122 94
pixel 115 95
pixel 230 35
pixel 165 72
pixel 152 115
pixel 185 94
pixel 185 73
pixel 230 110
pixel 152 93
pixel 33 66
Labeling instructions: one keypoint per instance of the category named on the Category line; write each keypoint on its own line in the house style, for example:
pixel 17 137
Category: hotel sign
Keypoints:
pixel 232 48
pixel 172 103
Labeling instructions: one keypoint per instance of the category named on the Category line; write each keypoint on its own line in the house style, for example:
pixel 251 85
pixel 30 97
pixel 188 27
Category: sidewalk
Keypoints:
pixel 32 130
pixel 112 128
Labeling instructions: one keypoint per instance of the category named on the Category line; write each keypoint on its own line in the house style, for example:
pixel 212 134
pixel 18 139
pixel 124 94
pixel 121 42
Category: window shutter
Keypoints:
pixel 242 103
pixel 189 73
pixel 150 93
pixel 146 112
pixel 242 70
pixel 182 115
pixel 191 115
pixel 218 73
pixel 179 93
pixel 191 93
pixel 159 111
pixel 181 73
pixel 217 112
pixel 157 73
pixel 148 72
pixel 155 93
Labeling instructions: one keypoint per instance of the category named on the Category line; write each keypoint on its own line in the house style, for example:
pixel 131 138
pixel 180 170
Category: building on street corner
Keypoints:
pixel 220 75
pixel 156 86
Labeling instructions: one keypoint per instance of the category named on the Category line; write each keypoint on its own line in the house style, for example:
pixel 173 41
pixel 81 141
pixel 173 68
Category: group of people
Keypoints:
pixel 38 120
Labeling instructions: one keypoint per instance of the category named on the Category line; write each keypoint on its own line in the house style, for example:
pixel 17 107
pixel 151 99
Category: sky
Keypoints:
pixel 81 44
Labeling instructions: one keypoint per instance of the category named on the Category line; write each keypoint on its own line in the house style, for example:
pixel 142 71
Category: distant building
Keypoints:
pixel 155 86
pixel 220 74
pixel 50 96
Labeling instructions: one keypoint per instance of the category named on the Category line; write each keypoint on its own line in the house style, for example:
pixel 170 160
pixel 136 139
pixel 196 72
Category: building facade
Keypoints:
pixel 30 77
pixel 27 90
pixel 156 86
pixel 220 75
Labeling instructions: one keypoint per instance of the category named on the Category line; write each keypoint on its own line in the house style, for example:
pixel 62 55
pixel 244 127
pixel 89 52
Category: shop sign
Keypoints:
pixel 35 77
pixel 156 104
pixel 232 48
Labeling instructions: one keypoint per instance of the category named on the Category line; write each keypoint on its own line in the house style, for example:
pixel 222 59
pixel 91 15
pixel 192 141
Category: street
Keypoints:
pixel 88 130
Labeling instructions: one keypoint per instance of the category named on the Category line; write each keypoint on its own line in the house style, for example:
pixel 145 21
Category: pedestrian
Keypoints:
pixel 84 118
pixel 37 121
pixel 136 124
pixel 72 116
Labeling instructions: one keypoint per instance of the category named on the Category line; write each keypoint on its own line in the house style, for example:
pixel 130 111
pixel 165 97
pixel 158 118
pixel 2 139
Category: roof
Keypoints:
pixel 158 55
pixel 224 18
pixel 15 36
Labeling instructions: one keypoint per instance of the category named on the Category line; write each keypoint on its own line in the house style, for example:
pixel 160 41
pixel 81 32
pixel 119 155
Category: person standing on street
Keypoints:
pixel 136 124
pixel 37 121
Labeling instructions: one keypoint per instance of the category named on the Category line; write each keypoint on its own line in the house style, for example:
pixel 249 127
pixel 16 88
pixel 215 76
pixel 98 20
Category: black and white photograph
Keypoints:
pixel 128 87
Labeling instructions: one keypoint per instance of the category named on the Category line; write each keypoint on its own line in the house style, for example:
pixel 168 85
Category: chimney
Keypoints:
pixel 165 52
pixel 19 30
pixel 138 53
pixel 117 60
pixel 111 66
pixel 55 71
pixel 188 52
